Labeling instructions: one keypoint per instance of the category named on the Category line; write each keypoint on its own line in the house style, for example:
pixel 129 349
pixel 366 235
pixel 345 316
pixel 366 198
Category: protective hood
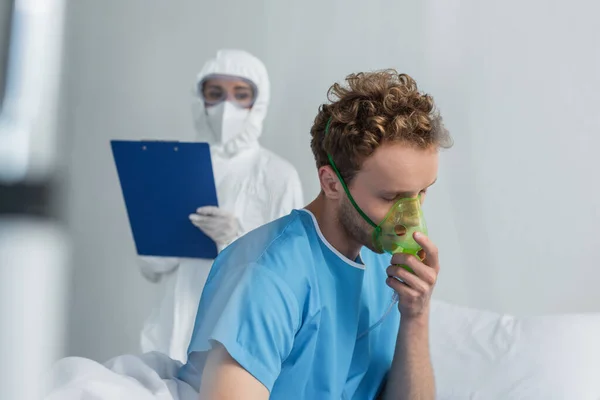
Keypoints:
pixel 244 65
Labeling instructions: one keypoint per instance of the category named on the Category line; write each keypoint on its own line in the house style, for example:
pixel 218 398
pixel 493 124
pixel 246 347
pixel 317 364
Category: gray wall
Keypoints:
pixel 507 82
pixel 130 67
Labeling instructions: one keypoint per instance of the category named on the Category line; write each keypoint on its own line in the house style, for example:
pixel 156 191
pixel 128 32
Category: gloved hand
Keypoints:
pixel 154 268
pixel 219 225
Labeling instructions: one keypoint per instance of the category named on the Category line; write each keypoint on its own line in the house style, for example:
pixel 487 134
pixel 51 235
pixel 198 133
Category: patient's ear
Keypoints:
pixel 330 183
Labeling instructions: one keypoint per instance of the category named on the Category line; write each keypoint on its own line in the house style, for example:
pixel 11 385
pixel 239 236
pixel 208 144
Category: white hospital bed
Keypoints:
pixel 484 355
pixel 476 355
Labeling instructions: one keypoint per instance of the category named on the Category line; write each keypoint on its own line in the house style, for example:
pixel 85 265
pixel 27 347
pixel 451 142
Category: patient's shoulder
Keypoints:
pixel 283 246
pixel 282 237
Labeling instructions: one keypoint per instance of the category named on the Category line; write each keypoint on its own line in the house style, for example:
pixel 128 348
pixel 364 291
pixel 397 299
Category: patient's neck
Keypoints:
pixel 326 213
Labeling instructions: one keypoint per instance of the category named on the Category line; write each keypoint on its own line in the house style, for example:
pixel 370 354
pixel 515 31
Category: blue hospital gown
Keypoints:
pixel 289 308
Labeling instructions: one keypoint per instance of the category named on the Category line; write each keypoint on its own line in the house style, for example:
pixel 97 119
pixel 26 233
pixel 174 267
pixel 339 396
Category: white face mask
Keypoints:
pixel 226 121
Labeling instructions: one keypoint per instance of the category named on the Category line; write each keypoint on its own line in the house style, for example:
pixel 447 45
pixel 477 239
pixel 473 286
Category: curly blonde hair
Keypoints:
pixel 375 108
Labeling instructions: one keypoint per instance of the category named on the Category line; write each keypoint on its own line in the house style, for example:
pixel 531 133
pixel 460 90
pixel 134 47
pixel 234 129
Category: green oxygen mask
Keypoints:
pixel 395 233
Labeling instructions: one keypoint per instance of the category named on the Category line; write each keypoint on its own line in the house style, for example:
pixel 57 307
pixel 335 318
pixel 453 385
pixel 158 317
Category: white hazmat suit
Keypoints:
pixel 254 186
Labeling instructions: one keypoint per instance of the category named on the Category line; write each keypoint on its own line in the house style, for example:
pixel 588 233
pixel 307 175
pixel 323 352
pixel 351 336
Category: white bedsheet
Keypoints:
pixel 477 355
pixel 151 376
pixel 481 355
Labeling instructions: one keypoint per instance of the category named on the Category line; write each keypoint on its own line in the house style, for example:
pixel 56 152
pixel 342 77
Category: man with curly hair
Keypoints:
pixel 293 310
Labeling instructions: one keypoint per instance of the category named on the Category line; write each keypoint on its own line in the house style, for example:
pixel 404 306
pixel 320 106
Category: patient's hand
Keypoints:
pixel 414 291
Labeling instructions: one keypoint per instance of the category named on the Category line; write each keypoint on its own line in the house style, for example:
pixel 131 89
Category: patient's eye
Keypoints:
pixel 393 197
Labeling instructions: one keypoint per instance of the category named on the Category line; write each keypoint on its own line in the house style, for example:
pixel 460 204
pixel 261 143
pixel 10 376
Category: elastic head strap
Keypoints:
pixel 337 172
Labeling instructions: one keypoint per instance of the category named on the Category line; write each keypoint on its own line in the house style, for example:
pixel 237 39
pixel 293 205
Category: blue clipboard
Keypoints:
pixel 162 184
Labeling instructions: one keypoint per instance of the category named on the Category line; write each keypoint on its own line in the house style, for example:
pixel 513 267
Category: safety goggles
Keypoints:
pixel 216 88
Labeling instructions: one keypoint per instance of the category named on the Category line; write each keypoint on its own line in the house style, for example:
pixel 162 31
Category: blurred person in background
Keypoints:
pixel 254 186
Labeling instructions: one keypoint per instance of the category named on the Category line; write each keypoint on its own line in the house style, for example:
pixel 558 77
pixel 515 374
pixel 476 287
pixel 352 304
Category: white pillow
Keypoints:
pixel 484 355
